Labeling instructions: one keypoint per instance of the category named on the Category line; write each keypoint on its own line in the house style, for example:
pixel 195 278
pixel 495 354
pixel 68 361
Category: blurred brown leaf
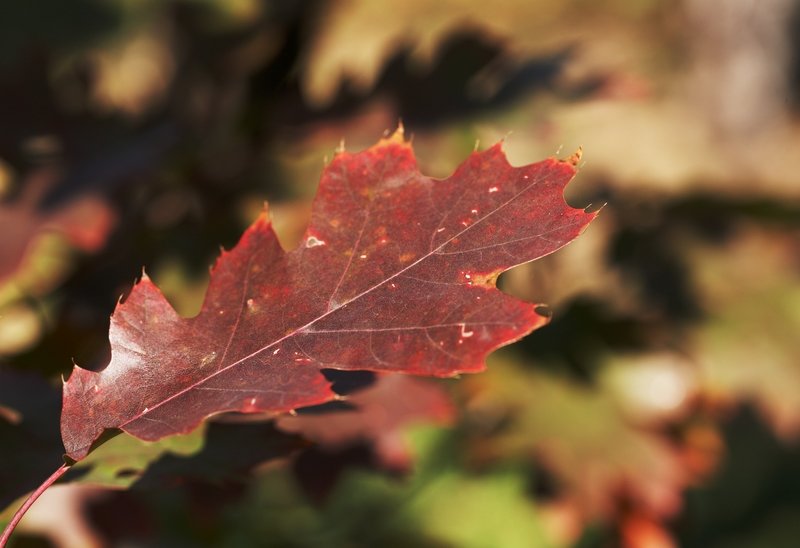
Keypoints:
pixel 84 222
pixel 748 349
pixel 356 37
pixel 378 417
pixel 581 435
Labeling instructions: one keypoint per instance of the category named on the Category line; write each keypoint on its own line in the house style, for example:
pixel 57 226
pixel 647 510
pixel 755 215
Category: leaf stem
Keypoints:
pixel 29 502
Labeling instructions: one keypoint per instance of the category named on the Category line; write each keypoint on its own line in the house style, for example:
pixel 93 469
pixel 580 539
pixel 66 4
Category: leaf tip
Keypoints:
pixel 398 136
pixel 575 158
pixel 262 222
pixel 145 282
pixel 496 150
pixel 594 209
pixel 263 216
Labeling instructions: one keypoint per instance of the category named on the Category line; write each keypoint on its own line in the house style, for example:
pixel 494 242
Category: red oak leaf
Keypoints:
pixel 395 273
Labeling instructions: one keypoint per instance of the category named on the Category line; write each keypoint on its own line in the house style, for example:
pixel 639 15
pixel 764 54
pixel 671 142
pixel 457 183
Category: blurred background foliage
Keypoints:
pixel 661 407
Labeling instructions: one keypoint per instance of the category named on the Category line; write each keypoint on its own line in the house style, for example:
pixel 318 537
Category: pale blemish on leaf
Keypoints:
pixel 313 241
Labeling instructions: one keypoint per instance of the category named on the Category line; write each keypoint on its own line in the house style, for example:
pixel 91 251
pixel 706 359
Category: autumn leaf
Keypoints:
pixel 582 435
pixel 356 37
pixel 377 415
pixel 84 222
pixel 753 316
pixel 396 273
pixel 368 431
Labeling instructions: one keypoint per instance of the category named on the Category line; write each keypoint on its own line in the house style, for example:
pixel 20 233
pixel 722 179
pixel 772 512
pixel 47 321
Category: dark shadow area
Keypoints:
pixel 579 337
pixel 753 498
pixel 229 452
pixel 29 433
